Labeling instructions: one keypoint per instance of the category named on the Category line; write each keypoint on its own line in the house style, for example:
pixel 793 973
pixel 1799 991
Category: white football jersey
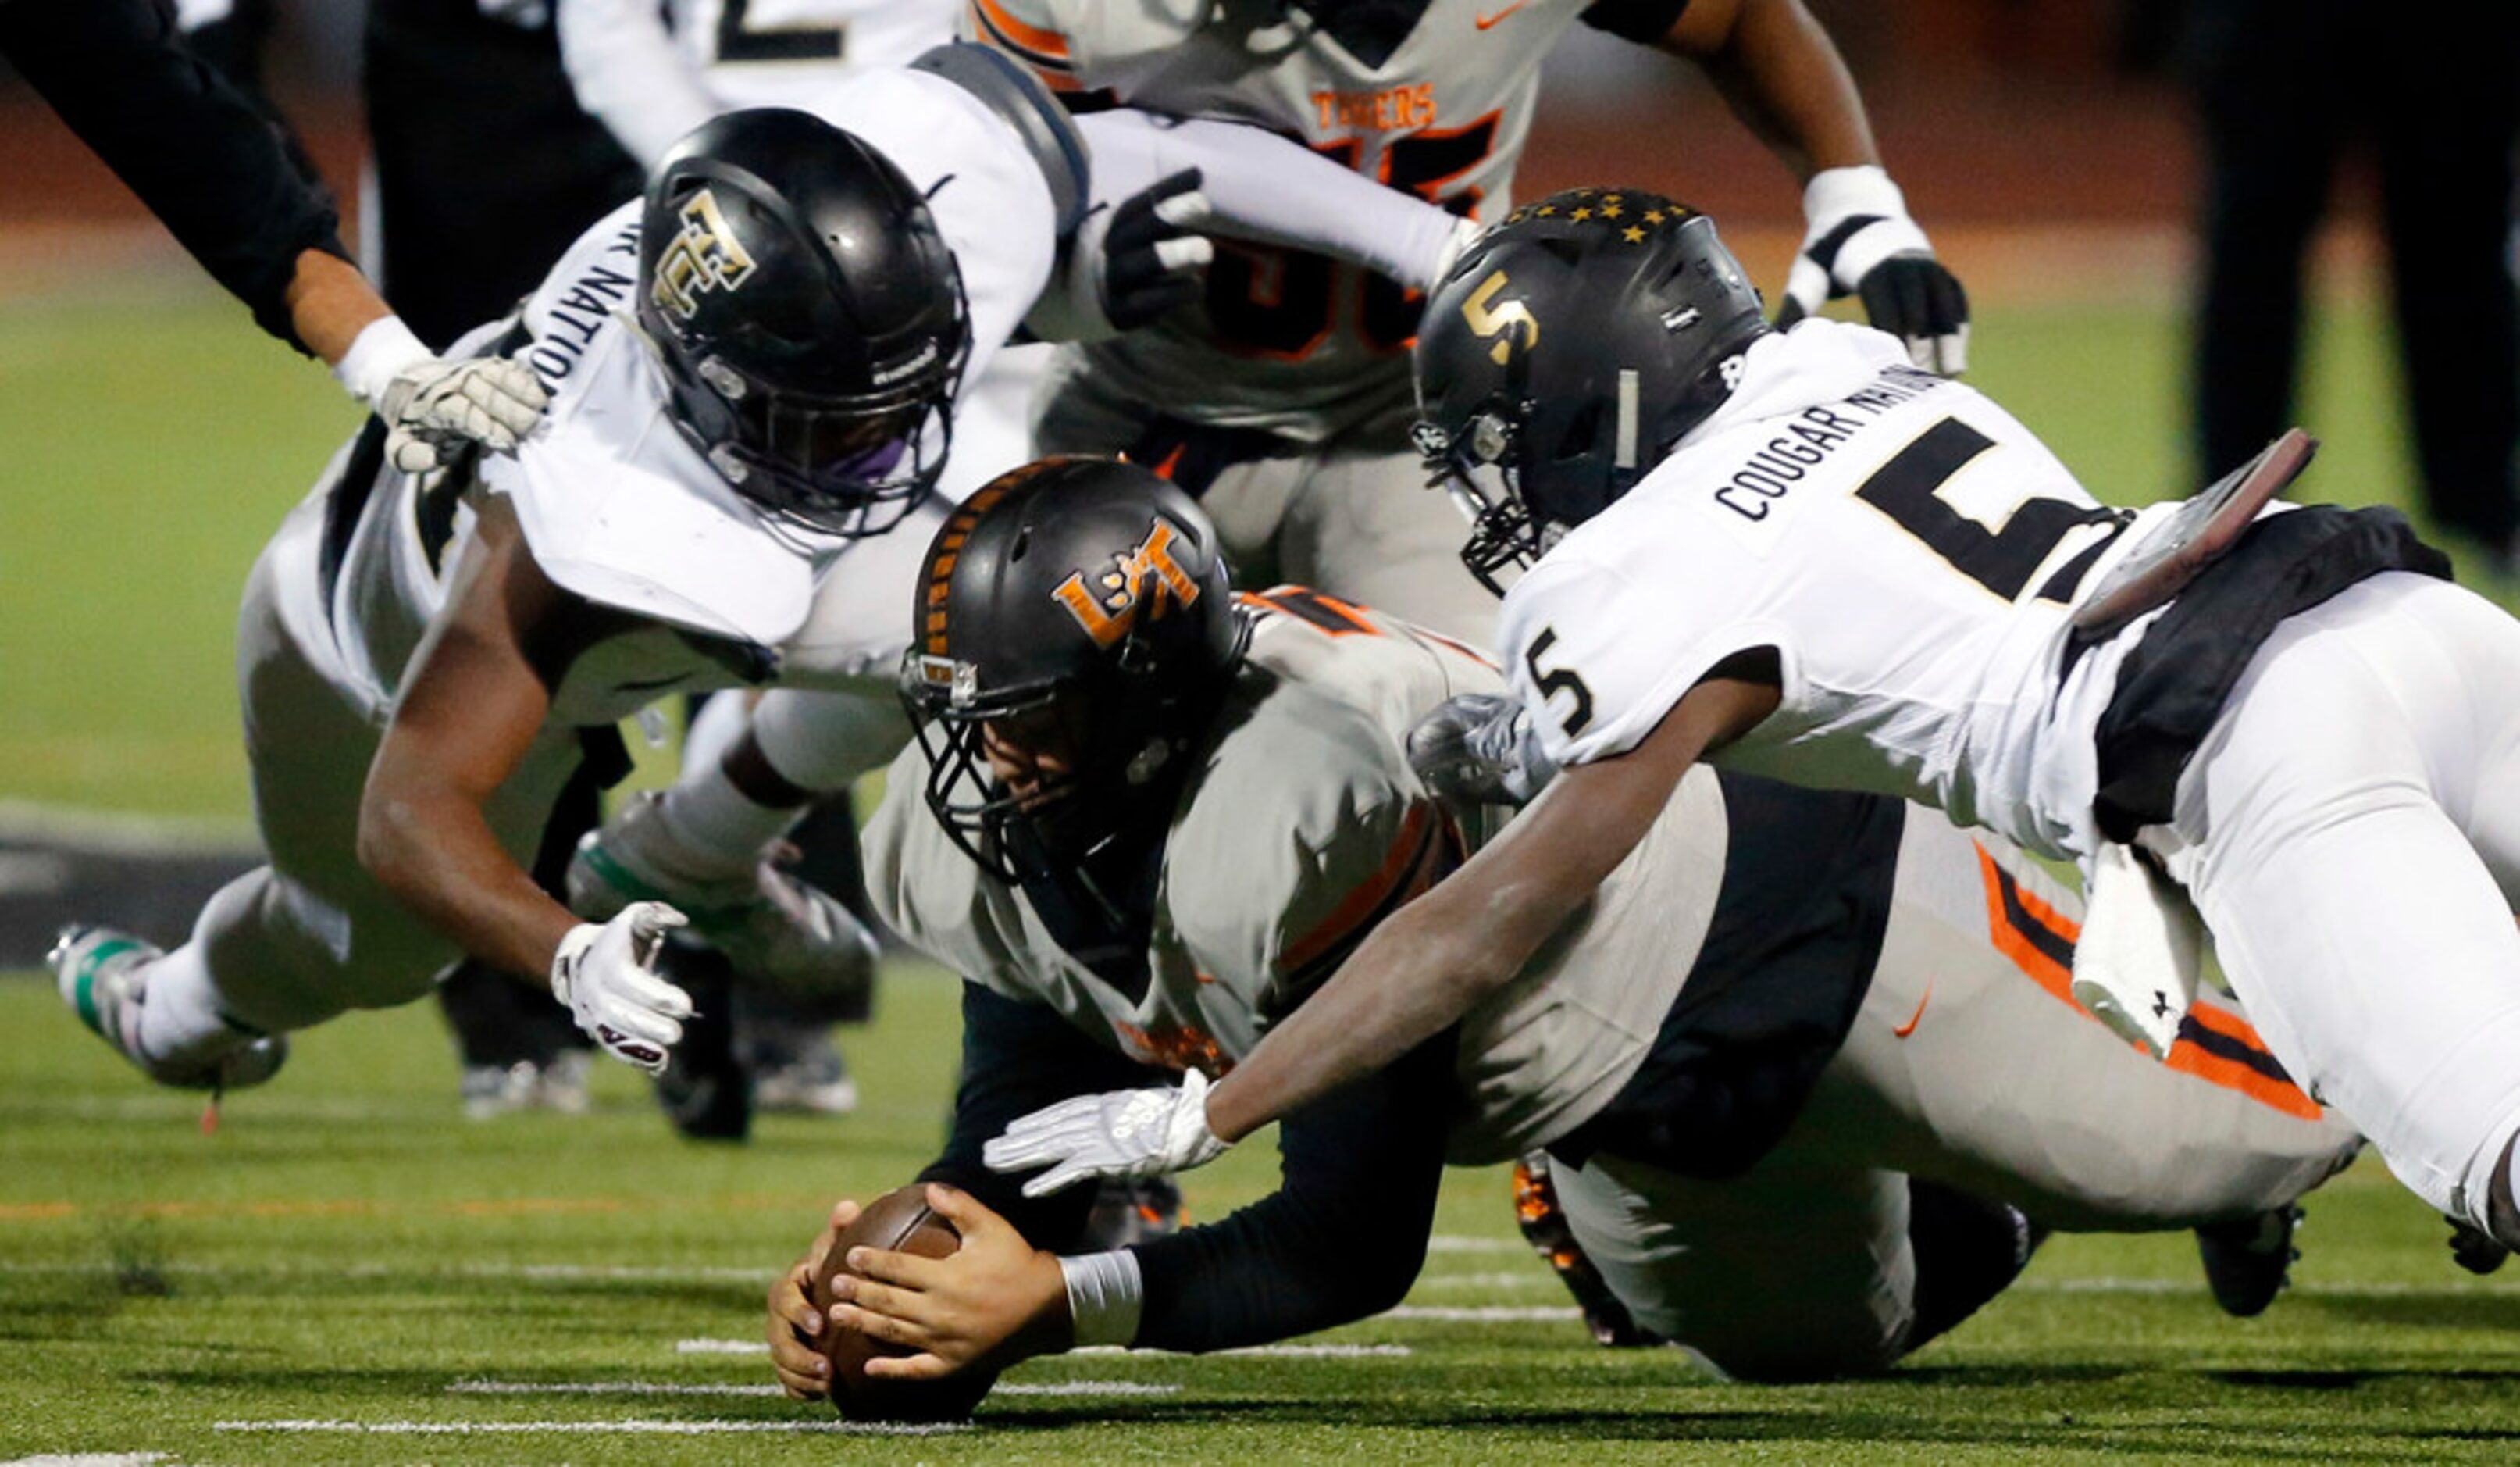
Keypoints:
pixel 652 73
pixel 1305 827
pixel 1911 551
pixel 619 508
pixel 1288 341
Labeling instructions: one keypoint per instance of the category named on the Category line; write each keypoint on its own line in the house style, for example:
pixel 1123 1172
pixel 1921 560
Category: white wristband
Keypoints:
pixel 1104 1295
pixel 1835 194
pixel 379 352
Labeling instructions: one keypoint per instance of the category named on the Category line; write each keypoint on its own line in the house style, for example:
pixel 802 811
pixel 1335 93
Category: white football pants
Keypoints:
pixel 1970 1064
pixel 2349 830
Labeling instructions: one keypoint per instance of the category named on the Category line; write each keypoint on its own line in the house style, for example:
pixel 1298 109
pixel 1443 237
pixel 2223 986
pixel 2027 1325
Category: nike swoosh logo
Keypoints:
pixel 1487 21
pixel 1909 1027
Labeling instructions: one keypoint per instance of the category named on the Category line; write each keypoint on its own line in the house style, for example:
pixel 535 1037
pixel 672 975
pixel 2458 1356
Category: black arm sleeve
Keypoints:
pixel 193 148
pixel 1643 21
pixel 1017 1058
pixel 1342 1237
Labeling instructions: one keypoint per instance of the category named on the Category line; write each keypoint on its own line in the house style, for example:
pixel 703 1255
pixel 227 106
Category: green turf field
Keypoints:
pixel 347 1254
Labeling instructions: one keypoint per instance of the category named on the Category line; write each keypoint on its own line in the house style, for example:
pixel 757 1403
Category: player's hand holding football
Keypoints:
pixel 607 977
pixel 1861 242
pixel 795 1326
pixel 996 1300
pixel 1153 1131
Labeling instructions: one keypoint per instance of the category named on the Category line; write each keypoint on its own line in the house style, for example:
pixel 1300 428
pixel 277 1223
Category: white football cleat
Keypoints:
pixel 772 926
pixel 102 974
pixel 2136 963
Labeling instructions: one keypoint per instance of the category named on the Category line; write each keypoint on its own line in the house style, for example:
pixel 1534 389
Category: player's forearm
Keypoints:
pixel 330 303
pixel 436 855
pixel 1787 83
pixel 1261 187
pixel 623 67
pixel 1420 972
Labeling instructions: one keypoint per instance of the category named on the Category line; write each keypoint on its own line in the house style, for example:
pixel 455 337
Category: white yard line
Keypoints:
pixel 633 1426
pixel 683 1388
pixel 1484 1311
pixel 1455 1243
pixel 91 1460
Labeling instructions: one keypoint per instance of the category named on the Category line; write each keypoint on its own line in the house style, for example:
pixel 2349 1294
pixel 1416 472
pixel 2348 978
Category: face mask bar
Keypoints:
pixel 1479 470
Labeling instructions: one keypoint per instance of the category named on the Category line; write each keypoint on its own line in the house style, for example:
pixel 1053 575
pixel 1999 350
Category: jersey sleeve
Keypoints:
pixel 1341 1238
pixel 623 67
pixel 1017 1058
pixel 1032 33
pixel 1599 655
pixel 1277 880
pixel 226 182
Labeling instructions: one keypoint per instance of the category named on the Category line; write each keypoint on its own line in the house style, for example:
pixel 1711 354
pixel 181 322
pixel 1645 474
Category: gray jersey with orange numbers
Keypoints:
pixel 1304 829
pixel 1290 342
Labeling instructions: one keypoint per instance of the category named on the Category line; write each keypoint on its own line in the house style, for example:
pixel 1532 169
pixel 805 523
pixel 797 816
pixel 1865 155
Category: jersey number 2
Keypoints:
pixel 736 41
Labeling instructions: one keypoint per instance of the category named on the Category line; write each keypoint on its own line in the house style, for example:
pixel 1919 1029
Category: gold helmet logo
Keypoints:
pixel 1147 580
pixel 705 256
pixel 1500 321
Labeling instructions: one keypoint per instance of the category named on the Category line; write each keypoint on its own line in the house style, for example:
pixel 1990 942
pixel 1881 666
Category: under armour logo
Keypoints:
pixel 1146 579
pixel 2161 1005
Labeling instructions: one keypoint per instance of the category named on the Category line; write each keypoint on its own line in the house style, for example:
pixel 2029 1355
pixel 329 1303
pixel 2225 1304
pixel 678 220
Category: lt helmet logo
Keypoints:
pixel 1146 579
pixel 705 256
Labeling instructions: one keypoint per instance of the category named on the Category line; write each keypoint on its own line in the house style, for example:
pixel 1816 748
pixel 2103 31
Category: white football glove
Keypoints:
pixel 1151 1132
pixel 771 926
pixel 606 976
pixel 1478 749
pixel 1861 242
pixel 433 407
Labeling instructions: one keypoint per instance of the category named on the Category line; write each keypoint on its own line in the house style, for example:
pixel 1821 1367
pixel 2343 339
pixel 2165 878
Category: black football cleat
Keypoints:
pixel 706 1088
pixel 2248 1260
pixel 2474 1249
pixel 1544 1228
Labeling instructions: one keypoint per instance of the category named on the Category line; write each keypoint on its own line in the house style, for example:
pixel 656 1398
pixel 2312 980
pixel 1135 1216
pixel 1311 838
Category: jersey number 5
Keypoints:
pixel 1553 682
pixel 1908 489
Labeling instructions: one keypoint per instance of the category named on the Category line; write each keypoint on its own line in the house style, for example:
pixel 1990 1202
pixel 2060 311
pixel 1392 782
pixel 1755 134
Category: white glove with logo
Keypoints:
pixel 1861 242
pixel 431 406
pixel 1151 1132
pixel 606 976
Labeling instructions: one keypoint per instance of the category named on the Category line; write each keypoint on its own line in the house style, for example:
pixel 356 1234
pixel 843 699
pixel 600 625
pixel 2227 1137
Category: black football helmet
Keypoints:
pixel 810 318
pixel 1078 605
pixel 1567 351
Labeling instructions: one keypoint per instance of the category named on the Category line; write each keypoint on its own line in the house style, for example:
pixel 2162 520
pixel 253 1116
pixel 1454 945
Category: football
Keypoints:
pixel 900 1221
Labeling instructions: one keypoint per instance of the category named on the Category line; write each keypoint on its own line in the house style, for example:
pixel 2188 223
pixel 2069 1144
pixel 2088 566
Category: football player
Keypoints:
pixel 651 75
pixel 754 374
pixel 1283 401
pixel 1779 1054
pixel 1793 553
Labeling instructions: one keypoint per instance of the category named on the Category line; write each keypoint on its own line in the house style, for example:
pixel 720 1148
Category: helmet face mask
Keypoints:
pixel 810 322
pixel 1567 351
pixel 1076 633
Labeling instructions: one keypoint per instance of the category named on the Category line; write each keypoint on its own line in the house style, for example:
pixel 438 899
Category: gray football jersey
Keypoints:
pixel 1293 343
pixel 1303 829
